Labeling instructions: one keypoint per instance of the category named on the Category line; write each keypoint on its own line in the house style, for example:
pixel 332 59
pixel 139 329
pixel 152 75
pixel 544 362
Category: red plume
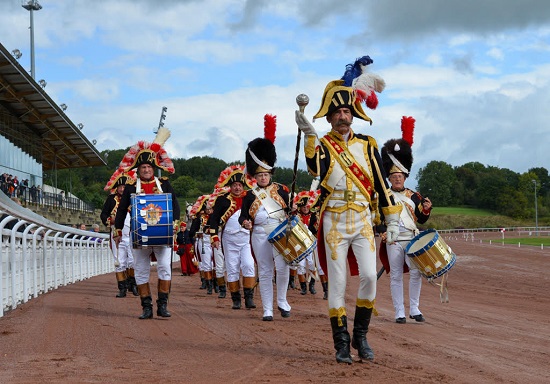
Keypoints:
pixel 407 129
pixel 270 125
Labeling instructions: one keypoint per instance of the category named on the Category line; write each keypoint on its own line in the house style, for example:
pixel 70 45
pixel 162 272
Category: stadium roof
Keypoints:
pixel 63 144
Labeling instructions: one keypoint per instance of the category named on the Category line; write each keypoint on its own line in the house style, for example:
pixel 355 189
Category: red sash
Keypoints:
pixel 347 161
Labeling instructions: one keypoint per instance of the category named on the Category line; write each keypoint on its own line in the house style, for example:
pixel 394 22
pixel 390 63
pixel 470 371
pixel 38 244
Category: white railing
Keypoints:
pixel 38 255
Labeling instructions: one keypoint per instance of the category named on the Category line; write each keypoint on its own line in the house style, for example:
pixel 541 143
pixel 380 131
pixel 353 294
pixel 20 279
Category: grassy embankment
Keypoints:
pixel 460 218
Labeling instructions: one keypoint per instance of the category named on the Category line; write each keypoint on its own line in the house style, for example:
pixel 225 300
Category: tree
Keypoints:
pixel 436 181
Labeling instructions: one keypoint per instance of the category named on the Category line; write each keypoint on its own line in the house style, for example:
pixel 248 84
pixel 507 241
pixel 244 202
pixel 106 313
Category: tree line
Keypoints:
pixel 499 190
pixel 193 177
pixel 473 184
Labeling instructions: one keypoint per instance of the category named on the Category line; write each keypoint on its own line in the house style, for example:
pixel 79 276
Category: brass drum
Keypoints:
pixel 295 245
pixel 431 255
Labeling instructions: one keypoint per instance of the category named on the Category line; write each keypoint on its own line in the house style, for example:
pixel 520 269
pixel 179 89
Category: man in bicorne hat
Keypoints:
pixel 225 229
pixel 199 231
pixel 147 157
pixel 124 260
pixel 352 184
pixel 398 159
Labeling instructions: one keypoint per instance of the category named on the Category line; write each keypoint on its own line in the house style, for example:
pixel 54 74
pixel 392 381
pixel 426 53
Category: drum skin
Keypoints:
pixel 431 255
pixel 151 220
pixel 297 244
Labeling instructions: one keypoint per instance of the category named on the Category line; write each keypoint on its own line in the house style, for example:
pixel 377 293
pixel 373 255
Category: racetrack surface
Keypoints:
pixel 495 328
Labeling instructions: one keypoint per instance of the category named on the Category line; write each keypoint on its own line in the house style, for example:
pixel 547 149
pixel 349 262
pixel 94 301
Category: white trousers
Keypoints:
pixel 306 262
pixel 238 255
pixel 142 263
pixel 124 254
pixel 396 257
pixel 342 231
pixel 269 259
pixel 205 249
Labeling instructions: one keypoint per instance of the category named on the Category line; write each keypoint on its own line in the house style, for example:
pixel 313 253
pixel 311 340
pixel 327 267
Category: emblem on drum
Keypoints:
pixel 151 213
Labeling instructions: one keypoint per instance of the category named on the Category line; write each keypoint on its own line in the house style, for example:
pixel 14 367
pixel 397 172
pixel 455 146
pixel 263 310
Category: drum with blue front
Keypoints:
pixel 151 220
pixel 431 255
pixel 293 240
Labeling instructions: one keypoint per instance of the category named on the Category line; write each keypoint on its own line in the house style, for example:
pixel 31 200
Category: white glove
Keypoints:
pixel 304 125
pixel 392 228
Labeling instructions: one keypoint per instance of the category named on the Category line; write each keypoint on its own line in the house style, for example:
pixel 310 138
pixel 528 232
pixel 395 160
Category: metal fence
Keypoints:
pixel 38 255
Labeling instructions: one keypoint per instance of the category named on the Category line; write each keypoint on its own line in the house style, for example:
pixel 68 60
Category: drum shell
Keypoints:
pixel 430 254
pixel 297 244
pixel 151 220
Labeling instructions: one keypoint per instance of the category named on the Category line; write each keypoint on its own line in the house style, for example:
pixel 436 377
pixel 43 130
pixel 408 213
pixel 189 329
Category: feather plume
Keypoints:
pixel 162 135
pixel 407 129
pixel 270 126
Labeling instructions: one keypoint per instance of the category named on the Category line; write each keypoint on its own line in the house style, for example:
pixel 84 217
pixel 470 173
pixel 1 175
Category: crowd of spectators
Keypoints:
pixel 13 187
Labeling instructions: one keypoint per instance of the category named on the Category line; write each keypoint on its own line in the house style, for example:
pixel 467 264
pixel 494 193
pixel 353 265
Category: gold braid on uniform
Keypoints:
pixel 366 303
pixel 338 313
pixel 333 237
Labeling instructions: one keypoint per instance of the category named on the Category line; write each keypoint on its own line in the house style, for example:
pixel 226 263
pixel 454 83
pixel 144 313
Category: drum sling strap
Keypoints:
pixel 274 210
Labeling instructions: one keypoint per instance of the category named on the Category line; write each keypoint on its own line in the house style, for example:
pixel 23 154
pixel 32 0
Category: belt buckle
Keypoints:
pixel 349 195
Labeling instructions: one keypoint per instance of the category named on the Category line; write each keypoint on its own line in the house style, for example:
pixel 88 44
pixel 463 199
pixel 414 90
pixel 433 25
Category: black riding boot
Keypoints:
pixel 209 284
pixel 360 329
pixel 291 282
pixel 312 286
pixel 325 290
pixel 147 305
pixel 162 303
pixel 303 286
pixel 203 283
pixel 132 286
pixel 249 298
pixel 341 338
pixel 121 288
pixel 222 292
pixel 236 297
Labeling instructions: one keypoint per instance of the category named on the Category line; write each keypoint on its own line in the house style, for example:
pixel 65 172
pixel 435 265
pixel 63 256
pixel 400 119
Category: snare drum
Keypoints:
pixel 151 220
pixel 431 255
pixel 296 245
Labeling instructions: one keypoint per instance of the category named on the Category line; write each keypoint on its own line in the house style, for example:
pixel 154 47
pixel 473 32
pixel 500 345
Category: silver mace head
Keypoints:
pixel 302 100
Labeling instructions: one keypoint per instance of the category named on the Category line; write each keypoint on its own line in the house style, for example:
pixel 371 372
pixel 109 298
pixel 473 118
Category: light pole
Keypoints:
pixel 536 210
pixel 31 6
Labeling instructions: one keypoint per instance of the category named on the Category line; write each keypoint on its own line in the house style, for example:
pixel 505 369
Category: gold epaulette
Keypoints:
pixel 130 181
pixel 164 178
pixel 373 142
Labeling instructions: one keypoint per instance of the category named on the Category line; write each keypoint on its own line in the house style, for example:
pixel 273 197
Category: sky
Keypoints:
pixel 474 74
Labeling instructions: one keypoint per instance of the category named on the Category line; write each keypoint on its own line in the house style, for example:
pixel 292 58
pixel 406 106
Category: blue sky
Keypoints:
pixel 474 74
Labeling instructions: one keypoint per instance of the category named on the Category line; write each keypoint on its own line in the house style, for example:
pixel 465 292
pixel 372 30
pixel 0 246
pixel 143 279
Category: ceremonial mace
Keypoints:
pixel 302 100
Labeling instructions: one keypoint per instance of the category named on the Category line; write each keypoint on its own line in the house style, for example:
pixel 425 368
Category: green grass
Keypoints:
pixel 461 211
pixel 537 241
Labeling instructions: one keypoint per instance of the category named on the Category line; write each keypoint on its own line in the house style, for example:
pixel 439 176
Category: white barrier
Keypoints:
pixel 38 255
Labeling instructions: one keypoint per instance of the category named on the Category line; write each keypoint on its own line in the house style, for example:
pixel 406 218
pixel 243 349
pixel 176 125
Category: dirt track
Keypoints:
pixel 495 328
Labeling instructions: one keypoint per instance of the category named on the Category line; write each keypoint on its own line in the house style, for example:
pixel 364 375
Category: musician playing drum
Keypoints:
pixel 263 209
pixel 352 182
pixel 146 157
pixel 397 159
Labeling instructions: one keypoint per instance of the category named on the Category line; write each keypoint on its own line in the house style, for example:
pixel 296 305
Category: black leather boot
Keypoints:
pixel 341 338
pixel 222 292
pixel 236 297
pixel 249 298
pixel 203 283
pixel 121 288
pixel 209 284
pixel 132 286
pixel 291 282
pixel 147 305
pixel 360 329
pixel 303 286
pixel 325 290
pixel 162 303
pixel 215 285
pixel 312 286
